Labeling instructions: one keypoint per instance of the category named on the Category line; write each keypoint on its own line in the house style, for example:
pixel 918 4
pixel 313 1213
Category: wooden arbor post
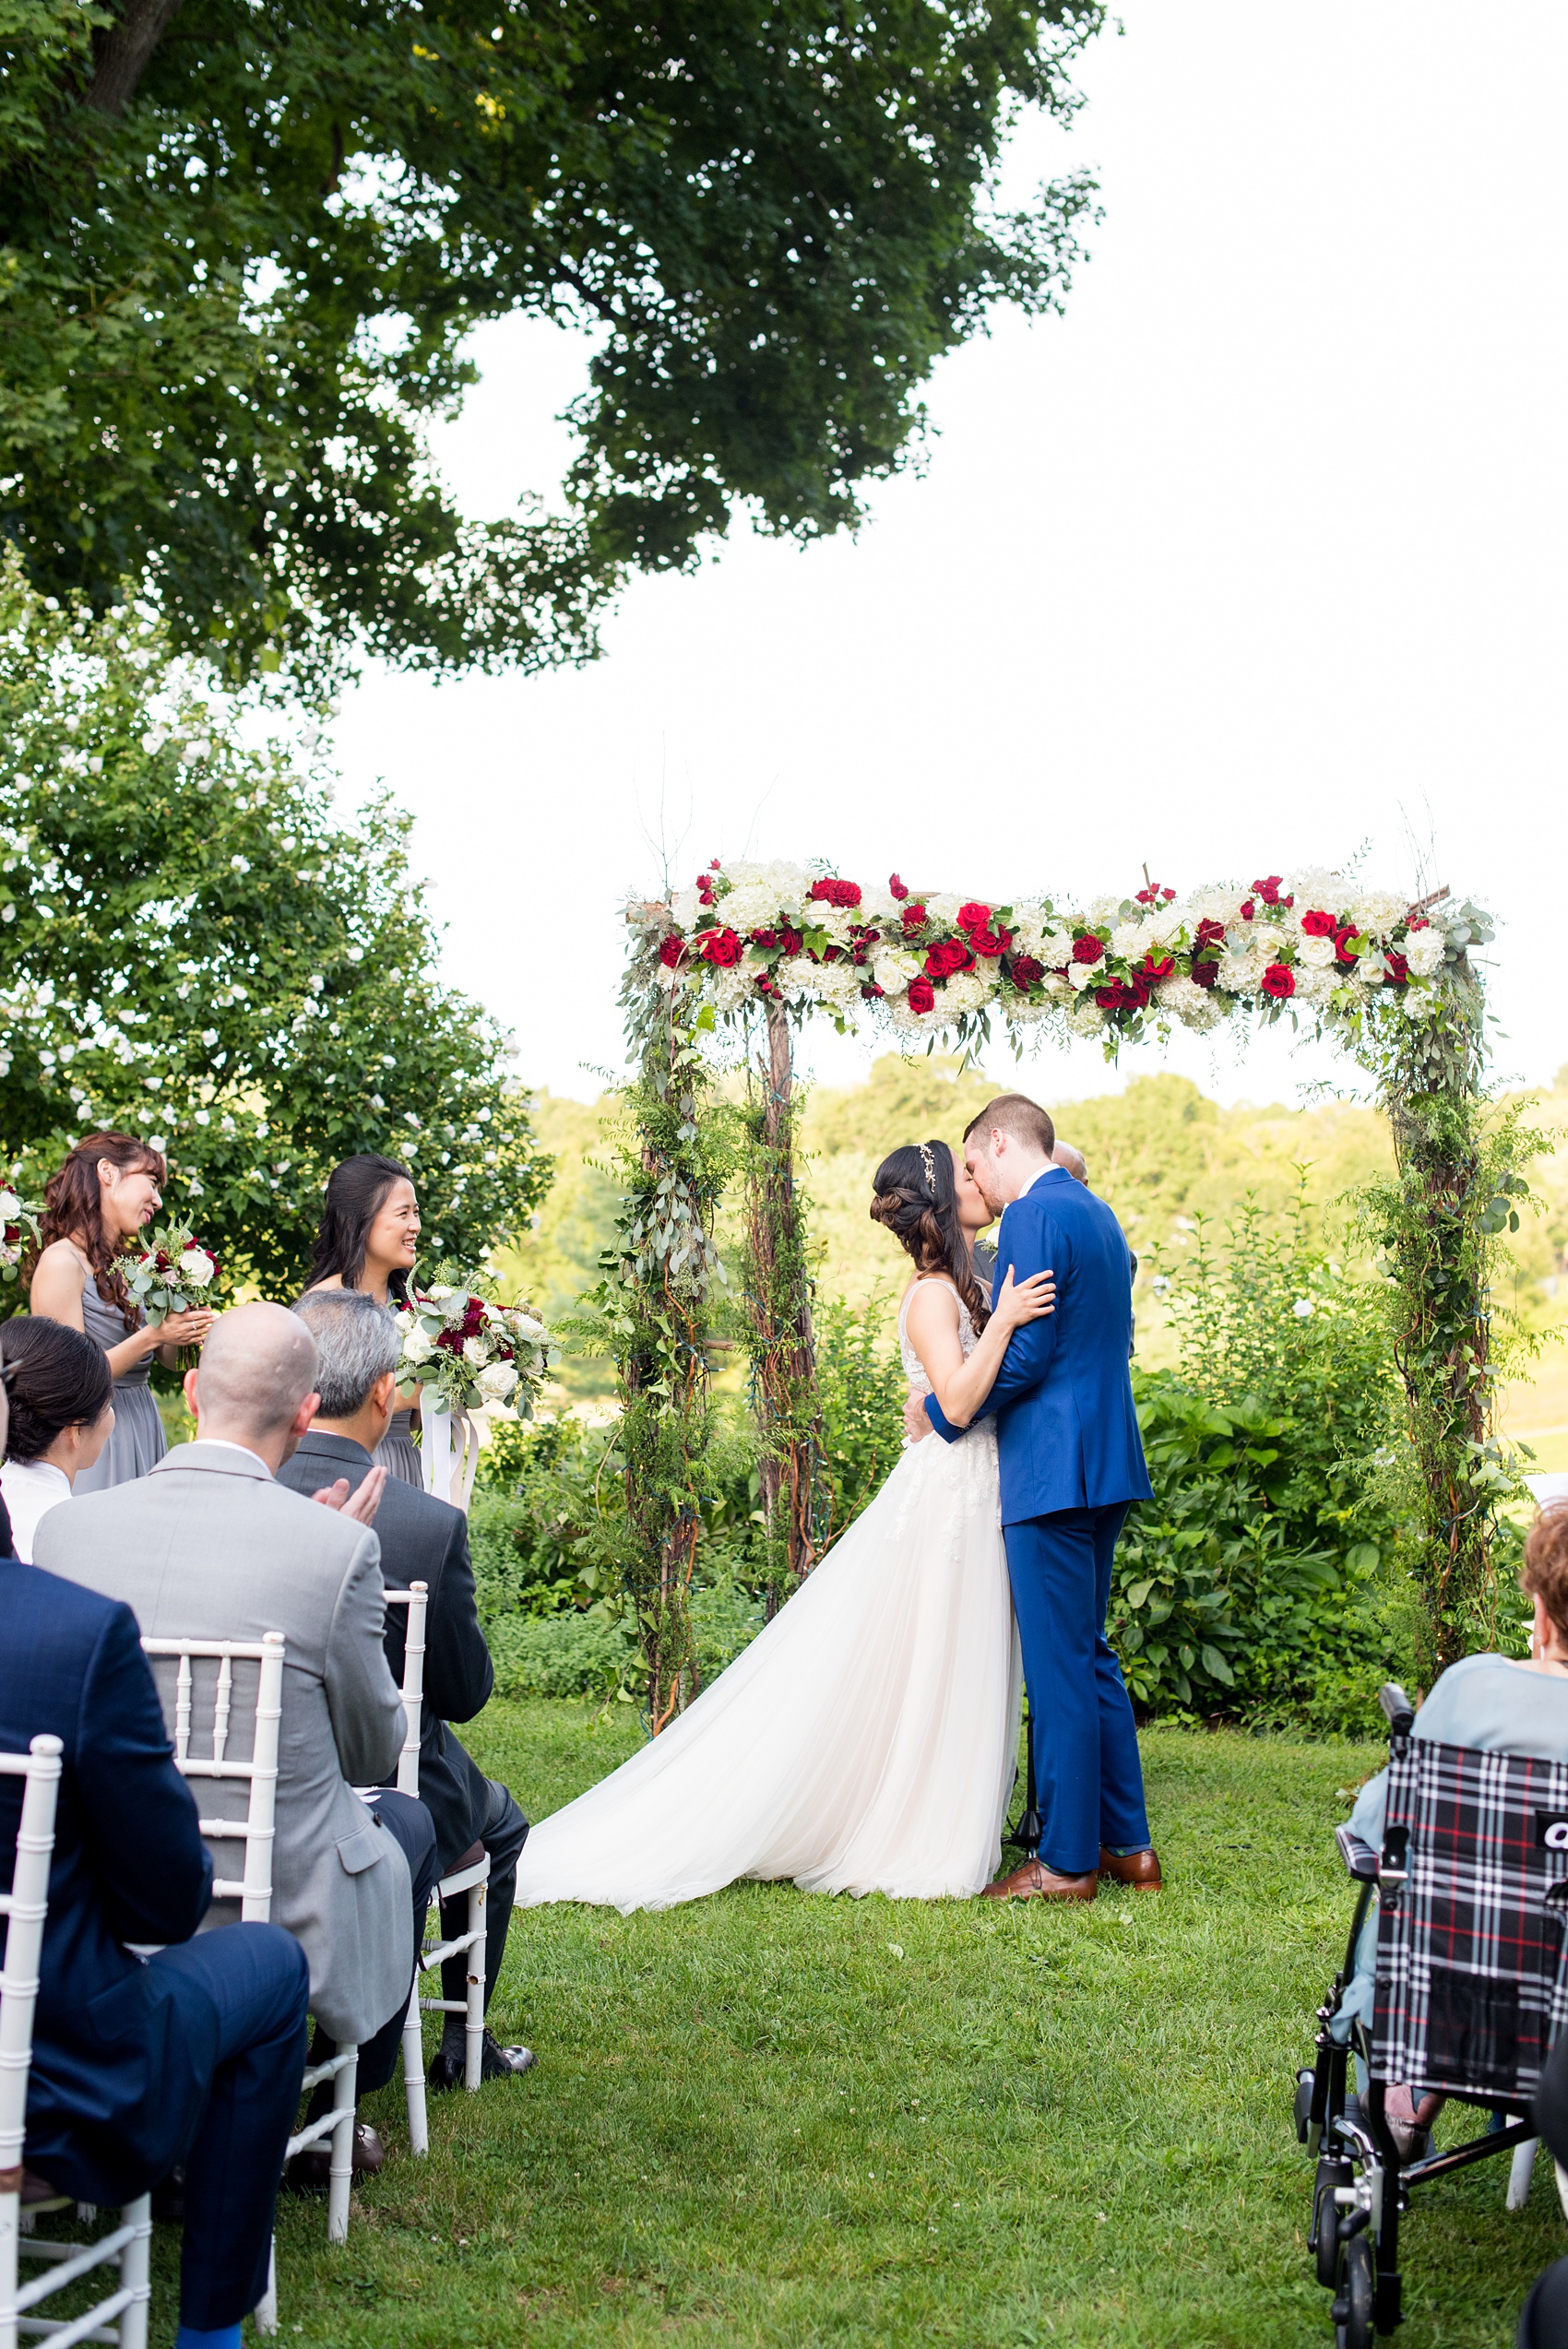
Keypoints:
pixel 779 1336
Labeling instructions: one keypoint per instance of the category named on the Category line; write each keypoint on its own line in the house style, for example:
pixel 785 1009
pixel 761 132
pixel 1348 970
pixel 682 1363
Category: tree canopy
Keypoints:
pixel 196 952
pixel 243 247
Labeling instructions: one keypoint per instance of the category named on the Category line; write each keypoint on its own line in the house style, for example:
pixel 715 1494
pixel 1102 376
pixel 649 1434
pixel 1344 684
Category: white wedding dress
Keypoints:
pixel 865 1741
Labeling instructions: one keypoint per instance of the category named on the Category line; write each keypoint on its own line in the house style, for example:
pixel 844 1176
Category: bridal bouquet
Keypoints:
pixel 170 1272
pixel 469 1352
pixel 20 1220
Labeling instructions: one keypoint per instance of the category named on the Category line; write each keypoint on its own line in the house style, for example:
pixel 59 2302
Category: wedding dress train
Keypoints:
pixel 865 1741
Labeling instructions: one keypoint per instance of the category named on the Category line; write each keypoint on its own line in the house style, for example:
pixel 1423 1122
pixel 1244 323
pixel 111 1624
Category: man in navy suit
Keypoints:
pixel 1072 1463
pixel 191 2055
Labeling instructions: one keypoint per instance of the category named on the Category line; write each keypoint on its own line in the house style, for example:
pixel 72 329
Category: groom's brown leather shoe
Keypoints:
pixel 1035 1881
pixel 1141 1868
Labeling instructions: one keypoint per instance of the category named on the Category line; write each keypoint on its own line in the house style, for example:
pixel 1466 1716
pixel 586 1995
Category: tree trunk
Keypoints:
pixel 783 1348
pixel 122 53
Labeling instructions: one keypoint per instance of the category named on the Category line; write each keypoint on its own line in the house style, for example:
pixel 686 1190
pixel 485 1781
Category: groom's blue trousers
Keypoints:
pixel 1089 1782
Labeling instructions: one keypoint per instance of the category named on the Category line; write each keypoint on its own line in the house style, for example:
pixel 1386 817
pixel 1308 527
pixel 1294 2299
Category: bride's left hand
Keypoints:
pixel 1031 1300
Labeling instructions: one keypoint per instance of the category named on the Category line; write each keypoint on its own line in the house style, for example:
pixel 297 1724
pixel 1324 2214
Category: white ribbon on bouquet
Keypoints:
pixel 450 1448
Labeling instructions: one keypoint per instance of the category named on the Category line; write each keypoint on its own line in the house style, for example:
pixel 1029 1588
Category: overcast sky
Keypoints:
pixel 1254 557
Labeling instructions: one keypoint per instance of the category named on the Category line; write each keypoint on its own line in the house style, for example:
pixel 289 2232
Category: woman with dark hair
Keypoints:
pixel 866 1740
pixel 62 1413
pixel 368 1239
pixel 109 1187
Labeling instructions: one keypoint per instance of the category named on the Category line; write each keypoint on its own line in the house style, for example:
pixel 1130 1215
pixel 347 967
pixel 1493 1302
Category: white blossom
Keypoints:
pixel 1316 953
pixel 196 1266
pixel 1194 1005
pixel 417 1347
pixel 496 1381
pixel 1423 951
pixel 1082 974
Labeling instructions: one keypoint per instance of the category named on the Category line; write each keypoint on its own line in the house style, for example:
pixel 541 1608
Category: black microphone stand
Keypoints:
pixel 1025 1836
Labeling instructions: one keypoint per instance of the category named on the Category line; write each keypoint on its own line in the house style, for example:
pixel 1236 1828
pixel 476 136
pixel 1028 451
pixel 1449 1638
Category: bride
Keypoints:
pixel 866 1740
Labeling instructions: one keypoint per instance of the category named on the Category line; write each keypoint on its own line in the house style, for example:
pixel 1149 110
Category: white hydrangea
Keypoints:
pixel 1423 952
pixel 728 989
pixel 1056 948
pixel 1214 902
pixel 1104 908
pixel 684 907
pixel 965 991
pixel 880 909
pixel 750 907
pixel 1021 1012
pixel 1379 910
pixel 797 977
pixel 1165 924
pixel 1129 939
pixel 943 905
pixel 911 1023
pixel 1314 983
pixel 1315 954
pixel 1420 1003
pixel 1194 1005
pixel 1085 1017
pixel 1316 890
pixel 1240 974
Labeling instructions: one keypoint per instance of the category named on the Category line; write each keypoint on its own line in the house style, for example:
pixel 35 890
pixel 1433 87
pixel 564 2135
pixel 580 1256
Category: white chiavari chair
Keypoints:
pixel 253 1889
pixel 472 1880
pixel 122 2316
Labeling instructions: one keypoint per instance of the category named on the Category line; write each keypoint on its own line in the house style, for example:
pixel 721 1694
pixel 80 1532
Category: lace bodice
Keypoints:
pixel 907 1355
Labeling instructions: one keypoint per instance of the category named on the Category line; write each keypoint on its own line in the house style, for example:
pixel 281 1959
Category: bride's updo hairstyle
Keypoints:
pixel 915 1198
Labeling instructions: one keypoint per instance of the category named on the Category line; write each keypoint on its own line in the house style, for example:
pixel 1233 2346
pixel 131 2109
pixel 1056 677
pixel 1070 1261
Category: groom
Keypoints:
pixel 1072 1463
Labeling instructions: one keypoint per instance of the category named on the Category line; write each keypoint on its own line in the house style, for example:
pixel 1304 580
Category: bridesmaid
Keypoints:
pixel 109 1187
pixel 368 1239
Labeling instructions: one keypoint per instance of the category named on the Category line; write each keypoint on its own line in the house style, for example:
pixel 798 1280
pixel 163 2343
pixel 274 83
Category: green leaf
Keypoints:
pixel 1214 1664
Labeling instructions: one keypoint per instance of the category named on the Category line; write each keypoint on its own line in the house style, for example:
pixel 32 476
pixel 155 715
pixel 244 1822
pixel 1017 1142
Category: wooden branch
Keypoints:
pixel 122 53
pixel 1433 897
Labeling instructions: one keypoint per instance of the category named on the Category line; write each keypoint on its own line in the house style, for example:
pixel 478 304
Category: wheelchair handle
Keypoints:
pixel 1398 1710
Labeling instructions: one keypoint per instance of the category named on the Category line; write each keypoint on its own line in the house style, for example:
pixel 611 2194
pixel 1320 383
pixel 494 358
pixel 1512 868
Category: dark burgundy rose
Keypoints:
pixel 871 991
pixel 672 951
pixel 1025 971
pixel 1208 932
pixel 791 941
pixel 1087 949
pixel 767 938
pixel 1204 974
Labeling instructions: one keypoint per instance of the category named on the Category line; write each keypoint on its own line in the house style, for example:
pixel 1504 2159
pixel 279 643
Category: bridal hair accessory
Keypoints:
pixel 930 1170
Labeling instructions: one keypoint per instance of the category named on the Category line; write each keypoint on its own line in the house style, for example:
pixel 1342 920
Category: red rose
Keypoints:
pixel 1121 995
pixel 974 917
pixel 672 951
pixel 1319 925
pixel 715 864
pixel 1345 954
pixel 896 888
pixel 1398 970
pixel 990 941
pixel 704 890
pixel 1279 981
pixel 1204 974
pixel 913 916
pixel 1025 971
pixel 1206 931
pixel 1268 890
pixel 870 992
pixel 1247 910
pixel 922 995
pixel 830 891
pixel 1088 950
pixel 768 938
pixel 791 941
pixel 946 956
pixel 721 946
pixel 1151 970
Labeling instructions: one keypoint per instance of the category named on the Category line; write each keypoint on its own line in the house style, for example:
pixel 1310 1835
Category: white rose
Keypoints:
pixel 1371 967
pixel 439 1296
pixel 524 1326
pixel 11 1206
pixel 417 1347
pixel 1082 974
pixel 477 1351
pixel 894 970
pixel 196 1266
pixel 1316 953
pixel 497 1382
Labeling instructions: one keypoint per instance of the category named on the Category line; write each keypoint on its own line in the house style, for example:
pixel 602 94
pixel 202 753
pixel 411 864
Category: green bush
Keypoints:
pixel 861 1386
pixel 1266 1575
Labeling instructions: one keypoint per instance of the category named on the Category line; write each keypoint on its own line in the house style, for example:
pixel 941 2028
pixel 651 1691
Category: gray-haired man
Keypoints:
pixel 425 1540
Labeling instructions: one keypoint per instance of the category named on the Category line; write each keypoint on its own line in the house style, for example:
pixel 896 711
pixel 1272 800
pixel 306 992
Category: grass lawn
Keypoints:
pixel 774 2119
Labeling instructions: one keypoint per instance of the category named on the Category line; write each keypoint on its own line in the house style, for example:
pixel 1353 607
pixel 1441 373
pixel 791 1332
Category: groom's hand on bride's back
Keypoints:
pixel 916 1423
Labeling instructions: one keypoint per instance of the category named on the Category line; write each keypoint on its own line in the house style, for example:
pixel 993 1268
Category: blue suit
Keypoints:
pixel 194 2055
pixel 1072 1463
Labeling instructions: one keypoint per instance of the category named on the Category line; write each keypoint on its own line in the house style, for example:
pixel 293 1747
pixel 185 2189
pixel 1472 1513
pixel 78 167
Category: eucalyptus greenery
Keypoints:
pixel 195 952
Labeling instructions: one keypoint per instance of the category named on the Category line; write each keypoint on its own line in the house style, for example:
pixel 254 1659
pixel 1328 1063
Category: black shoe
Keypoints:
pixel 495 2062
pixel 313 2168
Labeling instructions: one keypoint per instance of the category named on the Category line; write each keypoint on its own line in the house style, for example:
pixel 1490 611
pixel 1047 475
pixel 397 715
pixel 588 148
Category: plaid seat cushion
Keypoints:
pixel 1471 1989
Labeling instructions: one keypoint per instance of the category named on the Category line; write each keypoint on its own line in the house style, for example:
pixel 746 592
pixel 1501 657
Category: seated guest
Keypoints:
pixel 211 1546
pixel 1493 1703
pixel 191 2056
pixel 58 1384
pixel 422 1540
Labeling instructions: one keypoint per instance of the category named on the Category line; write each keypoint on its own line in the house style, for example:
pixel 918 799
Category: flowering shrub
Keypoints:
pixel 469 1352
pixel 169 1271
pixel 20 1220
pixel 929 961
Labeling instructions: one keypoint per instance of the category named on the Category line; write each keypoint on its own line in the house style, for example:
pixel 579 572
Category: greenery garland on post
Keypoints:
pixel 779 1336
pixel 652 1311
pixel 1455 1189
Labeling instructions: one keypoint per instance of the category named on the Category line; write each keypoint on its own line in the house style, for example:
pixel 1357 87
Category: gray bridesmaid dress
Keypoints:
pixel 138 1441
pixel 396 1451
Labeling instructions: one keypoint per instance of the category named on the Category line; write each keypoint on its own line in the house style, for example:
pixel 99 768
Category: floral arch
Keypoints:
pixel 756 949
